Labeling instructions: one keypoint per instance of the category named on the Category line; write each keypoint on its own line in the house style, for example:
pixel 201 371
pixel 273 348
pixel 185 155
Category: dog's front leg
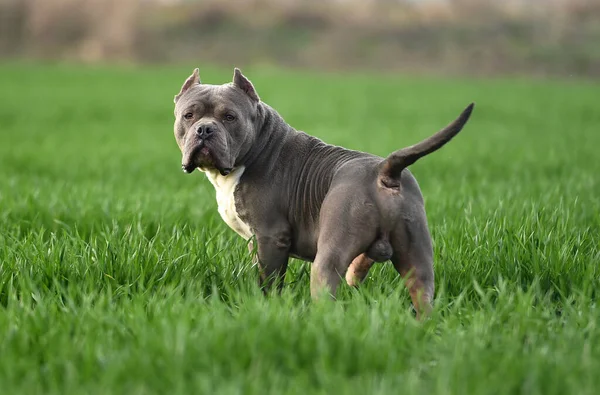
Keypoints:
pixel 272 258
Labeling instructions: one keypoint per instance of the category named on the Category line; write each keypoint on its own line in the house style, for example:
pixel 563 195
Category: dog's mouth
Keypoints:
pixel 188 168
pixel 201 158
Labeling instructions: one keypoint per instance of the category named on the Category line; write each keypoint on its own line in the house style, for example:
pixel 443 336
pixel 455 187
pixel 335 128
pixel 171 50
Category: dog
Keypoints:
pixel 296 196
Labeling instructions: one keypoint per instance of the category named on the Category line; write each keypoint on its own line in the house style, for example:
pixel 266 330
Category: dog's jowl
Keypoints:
pixel 298 196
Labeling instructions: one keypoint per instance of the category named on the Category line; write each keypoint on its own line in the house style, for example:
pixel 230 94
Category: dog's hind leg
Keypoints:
pixel 413 259
pixel 379 251
pixel 348 227
pixel 330 265
pixel 358 270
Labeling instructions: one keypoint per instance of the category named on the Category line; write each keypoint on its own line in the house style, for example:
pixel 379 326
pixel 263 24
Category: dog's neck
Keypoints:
pixel 272 131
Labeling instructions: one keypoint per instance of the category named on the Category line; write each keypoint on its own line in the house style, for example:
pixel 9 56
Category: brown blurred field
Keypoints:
pixel 540 37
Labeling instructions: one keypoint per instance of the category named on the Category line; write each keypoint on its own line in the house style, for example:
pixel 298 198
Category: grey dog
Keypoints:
pixel 295 195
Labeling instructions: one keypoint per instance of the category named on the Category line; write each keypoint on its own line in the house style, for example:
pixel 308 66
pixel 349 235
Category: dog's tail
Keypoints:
pixel 392 166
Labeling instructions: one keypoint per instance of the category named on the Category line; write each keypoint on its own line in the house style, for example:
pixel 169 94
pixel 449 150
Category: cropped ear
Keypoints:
pixel 244 84
pixel 191 81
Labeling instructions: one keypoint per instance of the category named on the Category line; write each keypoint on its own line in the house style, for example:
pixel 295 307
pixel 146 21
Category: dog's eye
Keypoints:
pixel 229 118
pixel 188 115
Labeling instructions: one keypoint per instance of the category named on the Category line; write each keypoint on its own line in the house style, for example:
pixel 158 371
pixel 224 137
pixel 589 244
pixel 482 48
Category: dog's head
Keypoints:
pixel 215 124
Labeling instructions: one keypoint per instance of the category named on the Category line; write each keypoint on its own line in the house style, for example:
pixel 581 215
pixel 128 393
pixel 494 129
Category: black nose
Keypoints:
pixel 205 130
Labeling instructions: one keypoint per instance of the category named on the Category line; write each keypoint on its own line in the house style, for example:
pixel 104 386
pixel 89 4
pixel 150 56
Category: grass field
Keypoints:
pixel 118 276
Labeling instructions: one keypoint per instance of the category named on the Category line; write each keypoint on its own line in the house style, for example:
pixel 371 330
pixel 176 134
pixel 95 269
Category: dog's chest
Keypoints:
pixel 225 188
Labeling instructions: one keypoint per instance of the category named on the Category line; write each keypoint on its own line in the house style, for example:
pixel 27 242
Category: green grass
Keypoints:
pixel 118 276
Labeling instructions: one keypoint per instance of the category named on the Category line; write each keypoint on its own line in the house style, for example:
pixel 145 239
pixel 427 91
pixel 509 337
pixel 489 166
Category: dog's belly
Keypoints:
pixel 304 243
pixel 225 187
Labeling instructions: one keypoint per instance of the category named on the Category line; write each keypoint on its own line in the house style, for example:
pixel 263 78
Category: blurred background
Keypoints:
pixel 473 37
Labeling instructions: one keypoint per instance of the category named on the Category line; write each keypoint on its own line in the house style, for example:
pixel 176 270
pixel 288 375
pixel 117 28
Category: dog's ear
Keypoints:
pixel 244 84
pixel 191 81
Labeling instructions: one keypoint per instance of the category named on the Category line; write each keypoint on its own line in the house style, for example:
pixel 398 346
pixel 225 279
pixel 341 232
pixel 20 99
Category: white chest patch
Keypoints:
pixel 225 186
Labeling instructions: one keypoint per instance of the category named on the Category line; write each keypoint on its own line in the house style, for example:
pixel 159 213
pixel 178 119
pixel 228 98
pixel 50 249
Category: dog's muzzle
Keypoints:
pixel 188 168
pixel 200 157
